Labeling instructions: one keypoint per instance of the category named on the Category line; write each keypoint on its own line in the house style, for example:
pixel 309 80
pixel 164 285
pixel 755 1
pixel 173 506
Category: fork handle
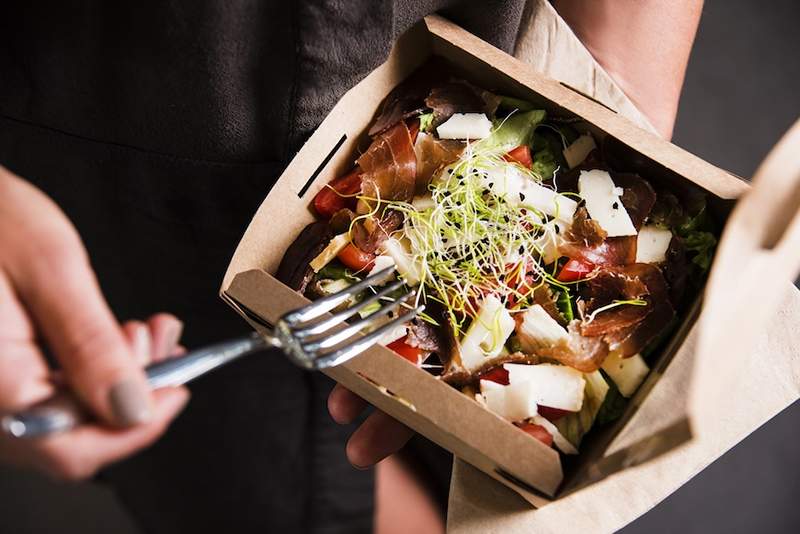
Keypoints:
pixel 64 411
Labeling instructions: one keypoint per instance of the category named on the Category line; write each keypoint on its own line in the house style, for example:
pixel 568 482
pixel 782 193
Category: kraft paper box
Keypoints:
pixel 659 418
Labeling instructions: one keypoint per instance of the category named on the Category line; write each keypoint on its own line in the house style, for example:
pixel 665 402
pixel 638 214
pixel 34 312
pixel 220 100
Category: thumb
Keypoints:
pixel 56 284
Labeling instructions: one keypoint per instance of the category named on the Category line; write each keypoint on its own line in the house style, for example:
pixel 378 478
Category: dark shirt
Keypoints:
pixel 159 127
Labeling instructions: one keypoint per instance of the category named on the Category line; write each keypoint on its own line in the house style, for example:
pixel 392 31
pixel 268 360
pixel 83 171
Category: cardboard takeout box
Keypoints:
pixel 411 395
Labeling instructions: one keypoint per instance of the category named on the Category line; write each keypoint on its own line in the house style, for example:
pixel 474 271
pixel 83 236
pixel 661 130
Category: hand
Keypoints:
pixel 48 291
pixel 377 437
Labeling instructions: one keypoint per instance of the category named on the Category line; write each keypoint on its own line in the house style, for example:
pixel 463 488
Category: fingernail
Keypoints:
pixel 130 403
pixel 174 336
pixel 142 344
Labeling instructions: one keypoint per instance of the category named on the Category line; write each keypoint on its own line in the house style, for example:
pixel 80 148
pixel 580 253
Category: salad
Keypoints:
pixel 550 277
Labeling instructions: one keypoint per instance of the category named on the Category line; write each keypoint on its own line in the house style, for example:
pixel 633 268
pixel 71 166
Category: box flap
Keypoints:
pixel 757 259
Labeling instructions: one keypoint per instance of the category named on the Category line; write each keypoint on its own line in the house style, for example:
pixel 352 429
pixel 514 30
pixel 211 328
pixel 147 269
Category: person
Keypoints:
pixel 137 141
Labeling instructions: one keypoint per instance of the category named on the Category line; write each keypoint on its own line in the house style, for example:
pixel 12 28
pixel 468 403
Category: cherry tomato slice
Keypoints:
pixel 521 155
pixel 537 431
pixel 413 354
pixel 552 414
pixel 498 374
pixel 575 270
pixel 330 198
pixel 356 259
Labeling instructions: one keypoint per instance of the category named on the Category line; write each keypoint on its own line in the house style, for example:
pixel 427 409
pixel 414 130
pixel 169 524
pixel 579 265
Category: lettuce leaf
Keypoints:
pixel 512 131
pixel 613 406
pixel 575 425
pixel 547 151
pixel 564 304
pixel 425 121
pixel 510 103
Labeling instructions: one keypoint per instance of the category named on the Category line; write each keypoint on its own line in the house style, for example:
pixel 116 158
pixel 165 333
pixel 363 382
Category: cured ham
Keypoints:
pixel 389 168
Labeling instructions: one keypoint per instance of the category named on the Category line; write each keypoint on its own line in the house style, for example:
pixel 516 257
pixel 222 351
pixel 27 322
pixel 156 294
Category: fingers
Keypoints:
pixel 78 454
pixel 141 342
pixel 85 338
pixel 155 340
pixel 344 405
pixel 24 376
pixel 49 270
pixel 166 330
pixel 378 437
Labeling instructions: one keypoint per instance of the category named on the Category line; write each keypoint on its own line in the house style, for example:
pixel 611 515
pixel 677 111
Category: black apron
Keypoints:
pixel 159 127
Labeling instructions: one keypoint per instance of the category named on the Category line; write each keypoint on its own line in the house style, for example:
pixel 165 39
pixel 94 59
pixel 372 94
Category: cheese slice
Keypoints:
pixel 576 153
pixel 382 262
pixel 400 252
pixel 652 244
pixel 512 402
pixel 465 126
pixel 556 386
pixel 604 204
pixel 519 189
pixel 538 330
pixel 487 335
pixel 331 251
pixel 627 373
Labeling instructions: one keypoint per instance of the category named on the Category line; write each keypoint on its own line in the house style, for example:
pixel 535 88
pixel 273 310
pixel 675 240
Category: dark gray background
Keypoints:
pixel 742 92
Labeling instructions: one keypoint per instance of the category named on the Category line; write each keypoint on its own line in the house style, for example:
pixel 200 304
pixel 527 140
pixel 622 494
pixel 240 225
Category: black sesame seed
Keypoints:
pixel 506 219
pixel 615 205
pixel 521 197
pixel 521 249
pixel 502 277
pixel 557 229
pixel 449 171
pixel 491 185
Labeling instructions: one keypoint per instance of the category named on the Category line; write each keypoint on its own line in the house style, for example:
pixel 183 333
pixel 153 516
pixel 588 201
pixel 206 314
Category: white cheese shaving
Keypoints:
pixel 331 251
pixel 555 386
pixel 465 126
pixel 627 373
pixel 538 330
pixel 576 153
pixel 604 204
pixel 652 244
pixel 487 334
pixel 519 189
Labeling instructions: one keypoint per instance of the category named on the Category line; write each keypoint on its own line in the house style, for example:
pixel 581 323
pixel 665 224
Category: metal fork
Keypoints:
pixel 307 336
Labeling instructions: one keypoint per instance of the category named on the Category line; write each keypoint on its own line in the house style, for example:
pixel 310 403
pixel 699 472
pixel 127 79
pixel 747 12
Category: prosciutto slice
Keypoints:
pixel 390 168
pixel 588 242
pixel 459 96
pixel 432 154
pixel 368 234
pixel 586 354
pixel 627 329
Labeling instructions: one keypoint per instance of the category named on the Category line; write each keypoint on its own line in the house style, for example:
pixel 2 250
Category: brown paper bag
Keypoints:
pixel 478 504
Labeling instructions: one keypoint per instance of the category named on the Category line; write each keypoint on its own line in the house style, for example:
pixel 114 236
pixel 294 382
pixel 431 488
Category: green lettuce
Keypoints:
pixel 613 406
pixel 564 303
pixel 512 131
pixel 511 104
pixel 575 425
pixel 425 121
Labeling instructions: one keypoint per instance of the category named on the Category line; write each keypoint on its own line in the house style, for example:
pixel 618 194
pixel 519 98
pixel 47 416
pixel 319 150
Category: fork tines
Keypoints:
pixel 315 342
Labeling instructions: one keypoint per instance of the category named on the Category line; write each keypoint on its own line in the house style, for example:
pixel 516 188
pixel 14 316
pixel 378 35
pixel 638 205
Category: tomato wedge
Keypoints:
pixel 575 270
pixel 413 354
pixel 356 259
pixel 331 198
pixel 537 431
pixel 498 374
pixel 552 414
pixel 521 155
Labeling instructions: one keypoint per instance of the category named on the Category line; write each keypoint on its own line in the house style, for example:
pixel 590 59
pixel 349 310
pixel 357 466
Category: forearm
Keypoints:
pixel 643 44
